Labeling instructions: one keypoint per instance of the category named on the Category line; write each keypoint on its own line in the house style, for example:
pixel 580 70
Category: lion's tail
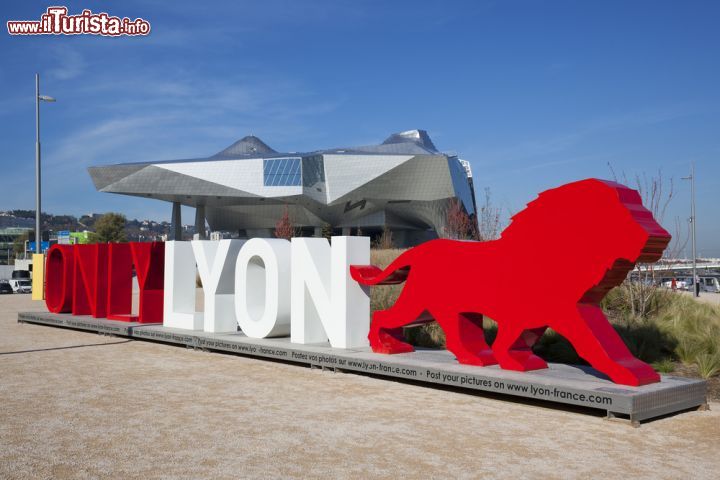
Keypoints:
pixel 395 273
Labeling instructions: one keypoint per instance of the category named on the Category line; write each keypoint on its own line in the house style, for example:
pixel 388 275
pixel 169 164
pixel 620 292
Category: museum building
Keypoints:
pixel 403 184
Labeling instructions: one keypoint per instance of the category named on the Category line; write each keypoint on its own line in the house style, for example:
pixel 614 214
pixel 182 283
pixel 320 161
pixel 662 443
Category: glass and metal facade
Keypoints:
pixel 404 184
pixel 281 172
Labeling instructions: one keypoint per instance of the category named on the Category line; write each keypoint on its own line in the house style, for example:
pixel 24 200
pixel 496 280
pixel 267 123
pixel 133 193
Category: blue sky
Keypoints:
pixel 533 93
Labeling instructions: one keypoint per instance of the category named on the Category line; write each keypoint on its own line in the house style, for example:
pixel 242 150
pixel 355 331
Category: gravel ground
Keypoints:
pixel 81 405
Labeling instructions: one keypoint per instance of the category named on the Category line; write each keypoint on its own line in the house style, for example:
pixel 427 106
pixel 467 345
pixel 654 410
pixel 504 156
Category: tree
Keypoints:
pixel 488 225
pixel 284 227
pixel 657 192
pixel 326 231
pixel 640 287
pixel 458 225
pixel 110 228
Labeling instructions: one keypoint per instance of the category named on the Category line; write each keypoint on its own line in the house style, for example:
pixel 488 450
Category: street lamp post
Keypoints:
pixel 696 284
pixel 38 98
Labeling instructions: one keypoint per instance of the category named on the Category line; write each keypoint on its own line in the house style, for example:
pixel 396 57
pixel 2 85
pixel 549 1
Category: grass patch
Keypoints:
pixel 708 364
pixel 665 365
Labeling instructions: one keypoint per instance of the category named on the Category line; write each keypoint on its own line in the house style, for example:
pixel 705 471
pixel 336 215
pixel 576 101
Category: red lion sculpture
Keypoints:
pixel 574 243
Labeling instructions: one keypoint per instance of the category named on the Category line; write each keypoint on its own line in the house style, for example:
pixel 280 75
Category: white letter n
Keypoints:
pixel 327 304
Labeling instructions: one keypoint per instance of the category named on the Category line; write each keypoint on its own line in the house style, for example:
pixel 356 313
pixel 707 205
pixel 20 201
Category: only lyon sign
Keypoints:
pixel 593 232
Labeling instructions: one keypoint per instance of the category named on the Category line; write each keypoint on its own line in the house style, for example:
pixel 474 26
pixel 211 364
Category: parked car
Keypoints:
pixel 21 286
pixel 5 288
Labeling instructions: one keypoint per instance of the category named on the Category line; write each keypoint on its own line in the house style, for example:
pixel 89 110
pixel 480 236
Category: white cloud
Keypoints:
pixel 562 142
pixel 71 63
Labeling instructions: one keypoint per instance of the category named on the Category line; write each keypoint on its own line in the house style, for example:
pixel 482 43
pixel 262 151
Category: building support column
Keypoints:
pixel 317 232
pixel 176 223
pixel 346 231
pixel 200 222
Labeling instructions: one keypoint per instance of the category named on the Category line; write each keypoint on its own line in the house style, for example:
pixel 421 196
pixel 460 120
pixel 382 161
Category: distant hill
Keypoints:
pixel 137 230
pixel 8 221
pixel 26 218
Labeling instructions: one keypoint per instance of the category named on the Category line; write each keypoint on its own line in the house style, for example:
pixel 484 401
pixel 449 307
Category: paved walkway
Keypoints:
pixel 81 405
pixel 707 297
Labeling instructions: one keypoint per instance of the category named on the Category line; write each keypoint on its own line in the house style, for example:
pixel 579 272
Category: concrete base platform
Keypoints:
pixel 565 384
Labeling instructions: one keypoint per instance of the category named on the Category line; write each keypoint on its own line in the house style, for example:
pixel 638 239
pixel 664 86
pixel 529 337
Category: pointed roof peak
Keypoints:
pixel 419 137
pixel 248 145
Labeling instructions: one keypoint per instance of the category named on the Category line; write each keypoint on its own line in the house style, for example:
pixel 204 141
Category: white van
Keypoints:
pixel 21 285
pixel 710 284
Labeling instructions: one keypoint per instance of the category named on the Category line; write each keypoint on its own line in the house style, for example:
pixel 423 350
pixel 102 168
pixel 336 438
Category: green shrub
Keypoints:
pixel 666 365
pixel 645 339
pixel 553 347
pixel 688 349
pixel 696 328
pixel 708 364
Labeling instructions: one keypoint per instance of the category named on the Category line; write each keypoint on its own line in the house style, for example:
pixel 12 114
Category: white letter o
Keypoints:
pixel 262 288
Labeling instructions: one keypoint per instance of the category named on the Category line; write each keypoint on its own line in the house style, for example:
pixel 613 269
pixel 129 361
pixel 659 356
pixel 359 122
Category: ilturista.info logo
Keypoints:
pixel 56 21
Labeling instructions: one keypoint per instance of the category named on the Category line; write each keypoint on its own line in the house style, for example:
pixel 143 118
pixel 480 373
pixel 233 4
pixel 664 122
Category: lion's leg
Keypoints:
pixel 512 348
pixel 386 334
pixel 465 337
pixel 595 340
pixel 521 350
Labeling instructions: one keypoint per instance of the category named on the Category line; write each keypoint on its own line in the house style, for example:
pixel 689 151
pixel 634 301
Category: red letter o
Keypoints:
pixel 59 278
